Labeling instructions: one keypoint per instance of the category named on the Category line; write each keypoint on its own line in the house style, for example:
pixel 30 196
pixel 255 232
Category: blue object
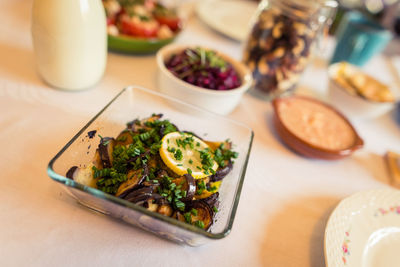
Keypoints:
pixel 359 39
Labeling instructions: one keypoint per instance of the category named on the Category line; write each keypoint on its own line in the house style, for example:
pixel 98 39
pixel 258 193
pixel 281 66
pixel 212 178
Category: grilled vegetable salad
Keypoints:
pixel 141 19
pixel 153 164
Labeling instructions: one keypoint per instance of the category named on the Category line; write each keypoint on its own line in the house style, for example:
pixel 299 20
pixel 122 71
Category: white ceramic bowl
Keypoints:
pixel 354 107
pixel 221 102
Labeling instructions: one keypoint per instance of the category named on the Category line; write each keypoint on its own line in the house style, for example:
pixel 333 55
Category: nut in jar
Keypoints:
pixel 281 42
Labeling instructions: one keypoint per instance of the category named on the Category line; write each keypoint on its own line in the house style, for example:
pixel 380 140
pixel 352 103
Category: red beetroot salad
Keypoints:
pixel 203 68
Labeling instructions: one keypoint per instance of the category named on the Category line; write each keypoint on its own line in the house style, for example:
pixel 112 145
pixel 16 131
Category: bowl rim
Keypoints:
pixel 129 45
pixel 144 40
pixel 358 141
pixel 124 203
pixel 332 72
pixel 243 71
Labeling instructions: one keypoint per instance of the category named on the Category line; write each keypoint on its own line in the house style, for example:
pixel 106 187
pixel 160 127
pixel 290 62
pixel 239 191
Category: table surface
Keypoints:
pixel 285 202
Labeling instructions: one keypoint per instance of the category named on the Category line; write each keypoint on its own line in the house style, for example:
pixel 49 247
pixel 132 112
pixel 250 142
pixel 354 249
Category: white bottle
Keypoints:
pixel 70 42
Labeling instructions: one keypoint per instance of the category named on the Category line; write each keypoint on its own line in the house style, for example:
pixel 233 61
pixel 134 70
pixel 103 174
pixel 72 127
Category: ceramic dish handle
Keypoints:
pixel 359 143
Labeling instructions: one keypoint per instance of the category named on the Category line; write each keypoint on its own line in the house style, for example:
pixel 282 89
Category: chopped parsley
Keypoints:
pixel 193 211
pixel 187 140
pixel 201 186
pixel 122 138
pixel 206 160
pixel 199 224
pixel 178 154
pixel 172 192
pixel 109 180
pixel 188 217
pixel 223 154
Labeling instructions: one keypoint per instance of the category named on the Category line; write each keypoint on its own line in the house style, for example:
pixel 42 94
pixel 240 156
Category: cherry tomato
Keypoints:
pixel 173 22
pixel 110 21
pixel 135 27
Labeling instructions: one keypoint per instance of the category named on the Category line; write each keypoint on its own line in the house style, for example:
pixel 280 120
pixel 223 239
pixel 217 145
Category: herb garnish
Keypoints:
pixel 193 211
pixel 178 154
pixel 172 192
pixel 188 217
pixel 134 156
pixel 206 160
pixel 201 186
pixel 199 224
pixel 223 154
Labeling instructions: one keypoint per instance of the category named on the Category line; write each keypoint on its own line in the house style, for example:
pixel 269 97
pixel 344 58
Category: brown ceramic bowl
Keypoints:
pixel 308 114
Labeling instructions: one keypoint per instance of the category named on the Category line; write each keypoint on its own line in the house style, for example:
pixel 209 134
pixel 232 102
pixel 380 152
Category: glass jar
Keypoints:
pixel 281 42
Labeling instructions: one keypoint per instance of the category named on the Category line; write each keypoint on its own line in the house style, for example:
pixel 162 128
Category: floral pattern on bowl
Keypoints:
pixel 345 247
pixel 392 209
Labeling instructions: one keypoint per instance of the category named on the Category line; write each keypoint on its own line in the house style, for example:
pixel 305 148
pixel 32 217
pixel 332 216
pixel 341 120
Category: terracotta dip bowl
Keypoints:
pixel 314 129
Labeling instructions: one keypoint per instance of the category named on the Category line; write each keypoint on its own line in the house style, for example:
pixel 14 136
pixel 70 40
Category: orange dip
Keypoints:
pixel 316 124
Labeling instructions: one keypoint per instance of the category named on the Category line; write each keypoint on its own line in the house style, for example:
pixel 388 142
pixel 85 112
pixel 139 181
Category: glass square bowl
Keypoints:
pixel 134 102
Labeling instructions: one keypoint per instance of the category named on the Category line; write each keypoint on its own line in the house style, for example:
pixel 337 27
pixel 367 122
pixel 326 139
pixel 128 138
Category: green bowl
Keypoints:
pixel 126 44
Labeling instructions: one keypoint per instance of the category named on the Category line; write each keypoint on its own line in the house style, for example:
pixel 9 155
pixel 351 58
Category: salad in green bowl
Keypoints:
pixel 140 26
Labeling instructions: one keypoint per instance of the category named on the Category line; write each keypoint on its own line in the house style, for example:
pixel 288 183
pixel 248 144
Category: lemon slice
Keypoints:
pixel 205 194
pixel 181 151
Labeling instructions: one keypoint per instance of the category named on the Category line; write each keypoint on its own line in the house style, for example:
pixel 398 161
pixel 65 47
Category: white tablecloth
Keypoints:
pixel 285 202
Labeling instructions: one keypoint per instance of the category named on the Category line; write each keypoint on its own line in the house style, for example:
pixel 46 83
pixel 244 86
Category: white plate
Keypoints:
pixel 230 17
pixel 364 230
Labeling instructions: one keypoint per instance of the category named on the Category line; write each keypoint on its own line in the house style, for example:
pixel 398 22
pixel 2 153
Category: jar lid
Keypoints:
pixel 306 8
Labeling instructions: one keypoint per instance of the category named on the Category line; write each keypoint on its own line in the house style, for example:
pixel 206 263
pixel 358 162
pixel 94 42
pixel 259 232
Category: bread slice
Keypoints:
pixel 393 163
